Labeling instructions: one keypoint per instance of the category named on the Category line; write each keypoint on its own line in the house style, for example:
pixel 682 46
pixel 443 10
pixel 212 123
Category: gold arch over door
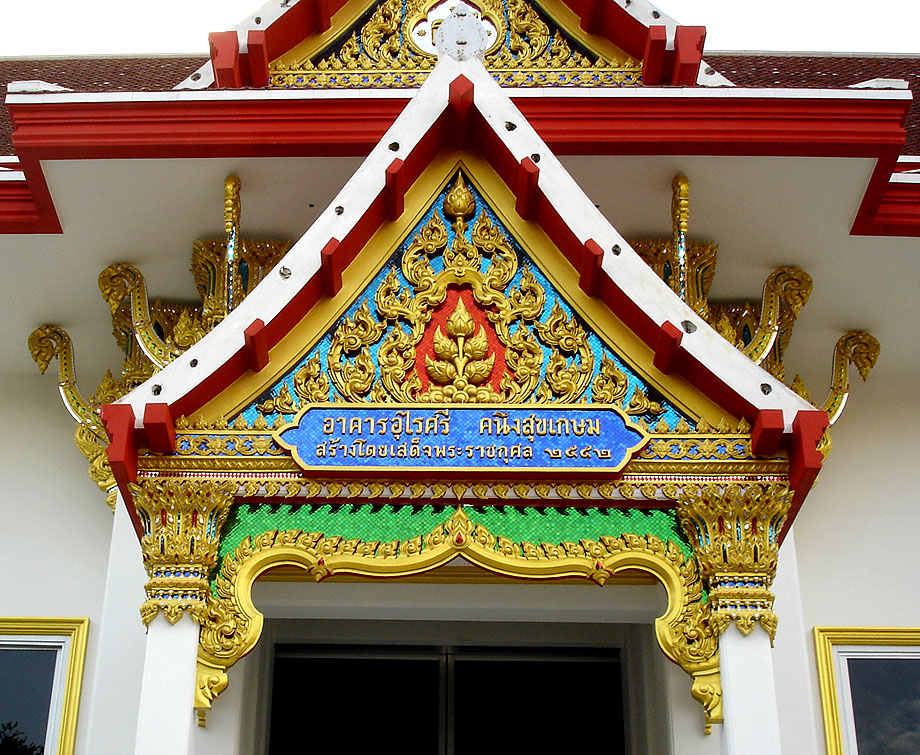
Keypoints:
pixel 234 624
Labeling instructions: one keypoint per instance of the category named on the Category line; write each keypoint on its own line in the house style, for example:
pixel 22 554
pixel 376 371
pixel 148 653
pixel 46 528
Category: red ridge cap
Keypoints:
pixel 225 59
pixel 767 432
pixel 526 189
pixel 394 190
pixel 653 59
pixel 805 460
pixel 688 53
pixel 331 268
pixel 590 272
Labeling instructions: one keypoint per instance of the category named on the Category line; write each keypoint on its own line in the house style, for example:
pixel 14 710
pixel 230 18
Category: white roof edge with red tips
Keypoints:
pixel 636 281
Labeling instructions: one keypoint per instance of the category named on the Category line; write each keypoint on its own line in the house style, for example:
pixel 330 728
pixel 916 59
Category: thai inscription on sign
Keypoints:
pixel 397 437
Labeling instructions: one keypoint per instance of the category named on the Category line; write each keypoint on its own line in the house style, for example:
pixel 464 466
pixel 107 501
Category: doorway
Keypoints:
pixel 448 700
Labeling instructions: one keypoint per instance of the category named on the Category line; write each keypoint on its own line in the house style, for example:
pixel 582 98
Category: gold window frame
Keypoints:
pixel 74 633
pixel 828 644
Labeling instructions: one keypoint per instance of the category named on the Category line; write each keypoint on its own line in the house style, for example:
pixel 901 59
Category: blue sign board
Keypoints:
pixel 395 437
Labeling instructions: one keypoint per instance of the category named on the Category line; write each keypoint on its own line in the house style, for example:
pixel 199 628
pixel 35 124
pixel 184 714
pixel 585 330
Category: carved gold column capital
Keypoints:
pixel 182 520
pixel 734 530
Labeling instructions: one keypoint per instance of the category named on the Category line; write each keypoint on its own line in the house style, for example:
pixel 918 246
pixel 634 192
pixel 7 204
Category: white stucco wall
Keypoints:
pixel 55 524
pixel 858 531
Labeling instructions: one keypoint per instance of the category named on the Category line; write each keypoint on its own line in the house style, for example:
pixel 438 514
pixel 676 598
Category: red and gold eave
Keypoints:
pixel 464 128
pixel 189 125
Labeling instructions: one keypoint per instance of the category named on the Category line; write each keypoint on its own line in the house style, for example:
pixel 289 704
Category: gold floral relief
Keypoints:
pixel 489 345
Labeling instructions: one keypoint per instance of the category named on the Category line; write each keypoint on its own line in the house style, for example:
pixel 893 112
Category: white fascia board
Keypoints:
pixel 906 177
pixel 636 279
pixel 731 92
pixel 200 79
pixel 710 77
pixel 178 378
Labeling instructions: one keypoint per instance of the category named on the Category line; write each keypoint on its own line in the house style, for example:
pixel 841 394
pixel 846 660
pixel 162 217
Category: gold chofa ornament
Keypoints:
pixel 761 330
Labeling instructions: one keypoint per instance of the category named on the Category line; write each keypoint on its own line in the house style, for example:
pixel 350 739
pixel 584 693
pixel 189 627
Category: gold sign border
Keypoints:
pixel 548 471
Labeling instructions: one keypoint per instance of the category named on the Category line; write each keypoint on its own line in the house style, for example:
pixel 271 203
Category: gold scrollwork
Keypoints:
pixel 855 347
pixel 465 351
pixel 762 331
pixel 150 335
pixel 233 624
pixel 50 342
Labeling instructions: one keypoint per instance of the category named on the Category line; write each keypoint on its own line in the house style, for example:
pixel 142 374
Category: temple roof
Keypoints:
pixel 745 71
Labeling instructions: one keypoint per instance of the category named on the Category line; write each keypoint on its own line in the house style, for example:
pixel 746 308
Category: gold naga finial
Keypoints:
pixel 231 204
pixel 151 335
pixel 856 347
pixel 680 208
pixel 762 331
pixel 50 342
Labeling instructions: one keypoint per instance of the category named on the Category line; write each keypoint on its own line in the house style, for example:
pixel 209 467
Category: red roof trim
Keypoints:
pixel 234 69
pixel 570 125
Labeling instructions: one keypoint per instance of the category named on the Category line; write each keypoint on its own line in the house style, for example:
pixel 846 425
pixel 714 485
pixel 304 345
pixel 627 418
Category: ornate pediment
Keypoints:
pixel 392 45
pixel 461 314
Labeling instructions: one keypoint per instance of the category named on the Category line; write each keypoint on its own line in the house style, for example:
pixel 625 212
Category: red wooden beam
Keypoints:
pixel 256 345
pixel 159 428
pixel 667 347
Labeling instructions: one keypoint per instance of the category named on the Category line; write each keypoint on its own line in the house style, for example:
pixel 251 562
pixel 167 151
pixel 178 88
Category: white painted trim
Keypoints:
pixel 116 677
pixel 906 177
pixel 714 79
pixel 627 270
pixel 205 78
pixel 514 93
pixel 748 693
pixel 909 159
pixel 11 175
pixel 167 699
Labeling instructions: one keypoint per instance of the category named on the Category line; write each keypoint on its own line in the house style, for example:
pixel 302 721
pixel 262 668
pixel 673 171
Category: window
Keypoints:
pixel 870 689
pixel 41 671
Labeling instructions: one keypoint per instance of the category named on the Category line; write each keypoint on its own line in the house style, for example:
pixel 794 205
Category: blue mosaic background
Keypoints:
pixel 600 349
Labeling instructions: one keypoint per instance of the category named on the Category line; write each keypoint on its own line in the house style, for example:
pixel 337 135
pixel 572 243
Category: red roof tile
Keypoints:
pixel 757 70
pixel 94 75
pixel 825 72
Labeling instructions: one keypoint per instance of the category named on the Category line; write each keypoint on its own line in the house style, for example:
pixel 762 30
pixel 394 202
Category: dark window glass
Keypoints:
pixel 538 703
pixel 886 705
pixel 450 701
pixel 26 679
pixel 355 704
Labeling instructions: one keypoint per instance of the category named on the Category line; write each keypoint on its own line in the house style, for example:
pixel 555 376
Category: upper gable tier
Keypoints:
pixel 330 44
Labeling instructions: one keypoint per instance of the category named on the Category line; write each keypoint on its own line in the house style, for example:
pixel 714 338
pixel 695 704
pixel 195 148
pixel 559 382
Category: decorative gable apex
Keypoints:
pixel 360 43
